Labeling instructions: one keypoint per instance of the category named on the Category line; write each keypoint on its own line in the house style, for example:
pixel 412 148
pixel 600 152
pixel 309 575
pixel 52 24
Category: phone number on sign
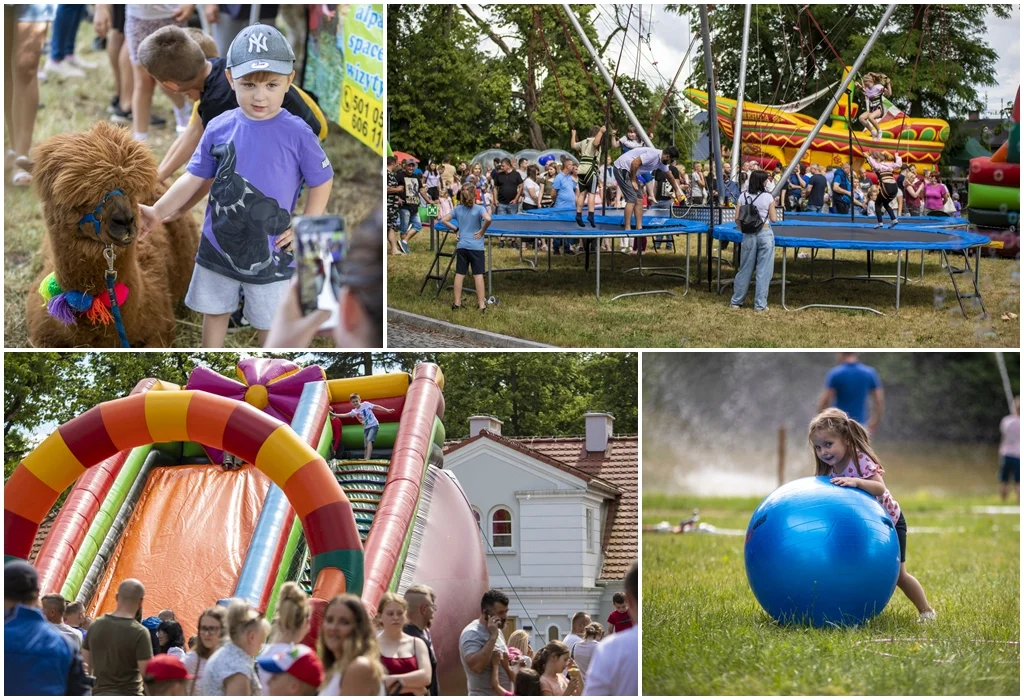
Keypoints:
pixel 365 116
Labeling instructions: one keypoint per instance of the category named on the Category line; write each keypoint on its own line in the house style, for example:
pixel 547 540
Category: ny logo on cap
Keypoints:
pixel 257 43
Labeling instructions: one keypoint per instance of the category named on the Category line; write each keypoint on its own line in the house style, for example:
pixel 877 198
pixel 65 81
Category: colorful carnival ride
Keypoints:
pixel 773 135
pixel 229 488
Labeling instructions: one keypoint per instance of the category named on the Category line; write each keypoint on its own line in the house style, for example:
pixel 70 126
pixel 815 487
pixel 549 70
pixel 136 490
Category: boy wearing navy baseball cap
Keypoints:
pixel 255 160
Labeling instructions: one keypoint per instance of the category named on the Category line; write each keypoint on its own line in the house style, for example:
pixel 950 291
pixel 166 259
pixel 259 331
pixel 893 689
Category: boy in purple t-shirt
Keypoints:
pixel 255 160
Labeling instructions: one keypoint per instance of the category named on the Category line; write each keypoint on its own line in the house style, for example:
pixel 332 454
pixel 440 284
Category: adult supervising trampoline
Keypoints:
pixel 565 226
pixel 852 237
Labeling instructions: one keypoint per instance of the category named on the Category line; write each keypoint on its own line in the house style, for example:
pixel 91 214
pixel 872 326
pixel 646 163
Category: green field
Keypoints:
pixel 559 308
pixel 704 633
pixel 77 105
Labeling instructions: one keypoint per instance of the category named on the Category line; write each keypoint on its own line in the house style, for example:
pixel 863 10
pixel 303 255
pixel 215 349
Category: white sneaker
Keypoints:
pixel 76 60
pixel 63 69
pixel 928 616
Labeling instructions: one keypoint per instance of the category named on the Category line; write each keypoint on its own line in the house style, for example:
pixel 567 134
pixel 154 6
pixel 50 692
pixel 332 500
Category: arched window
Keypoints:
pixel 501 528
pixel 476 514
pixel 553 634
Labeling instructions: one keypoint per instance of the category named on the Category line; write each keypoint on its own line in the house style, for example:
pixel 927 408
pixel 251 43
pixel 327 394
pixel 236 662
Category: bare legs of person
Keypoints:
pixel 142 101
pixel 23 45
pixel 481 299
pixel 913 590
pixel 368 450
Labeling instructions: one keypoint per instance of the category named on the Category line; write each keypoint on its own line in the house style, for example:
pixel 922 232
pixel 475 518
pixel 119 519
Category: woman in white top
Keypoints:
pixel 532 193
pixel 171 639
pixel 758 251
pixel 583 651
pixel 213 629
pixel 291 625
pixel 348 649
pixel 232 668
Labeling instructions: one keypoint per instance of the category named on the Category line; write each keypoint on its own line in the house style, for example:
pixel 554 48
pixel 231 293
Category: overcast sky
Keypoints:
pixel 671 36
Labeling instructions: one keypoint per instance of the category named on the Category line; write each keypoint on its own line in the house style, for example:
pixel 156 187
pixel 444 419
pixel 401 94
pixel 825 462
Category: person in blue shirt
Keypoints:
pixel 472 221
pixel 37 659
pixel 842 189
pixel 564 188
pixel 849 386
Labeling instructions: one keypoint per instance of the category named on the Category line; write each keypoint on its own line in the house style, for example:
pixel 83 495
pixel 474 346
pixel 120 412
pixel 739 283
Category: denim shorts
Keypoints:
pixel 35 13
pixel 213 293
pixel 901 535
pixel 370 434
pixel 1009 469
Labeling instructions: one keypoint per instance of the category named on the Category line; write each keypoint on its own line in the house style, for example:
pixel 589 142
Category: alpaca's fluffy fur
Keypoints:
pixel 72 173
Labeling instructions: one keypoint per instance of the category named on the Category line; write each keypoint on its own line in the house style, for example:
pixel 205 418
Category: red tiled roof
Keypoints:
pixel 619 466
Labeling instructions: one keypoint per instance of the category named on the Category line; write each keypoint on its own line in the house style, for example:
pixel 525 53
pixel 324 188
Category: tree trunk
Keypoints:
pixel 530 99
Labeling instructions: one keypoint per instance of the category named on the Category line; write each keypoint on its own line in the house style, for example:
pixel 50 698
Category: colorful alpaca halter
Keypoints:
pixel 94 217
pixel 67 305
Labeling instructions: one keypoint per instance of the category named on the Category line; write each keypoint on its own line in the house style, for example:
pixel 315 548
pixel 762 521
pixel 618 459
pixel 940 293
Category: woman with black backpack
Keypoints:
pixel 755 213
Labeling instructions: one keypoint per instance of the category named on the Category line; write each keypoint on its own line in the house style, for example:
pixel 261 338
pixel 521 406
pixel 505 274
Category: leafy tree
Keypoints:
pixel 529 96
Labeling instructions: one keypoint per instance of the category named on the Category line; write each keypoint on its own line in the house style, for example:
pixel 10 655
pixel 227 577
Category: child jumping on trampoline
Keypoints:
pixel 875 85
pixel 886 168
pixel 842 451
pixel 362 411
pixel 588 149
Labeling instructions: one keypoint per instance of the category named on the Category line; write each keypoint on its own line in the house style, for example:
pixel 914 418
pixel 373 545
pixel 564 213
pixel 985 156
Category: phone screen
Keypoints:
pixel 320 245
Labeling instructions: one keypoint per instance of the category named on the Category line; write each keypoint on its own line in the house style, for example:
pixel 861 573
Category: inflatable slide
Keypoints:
pixel 229 488
pixel 993 191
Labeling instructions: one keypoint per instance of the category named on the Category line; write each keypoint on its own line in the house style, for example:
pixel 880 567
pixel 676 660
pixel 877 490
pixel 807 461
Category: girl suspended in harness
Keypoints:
pixel 875 85
pixel 887 168
pixel 588 172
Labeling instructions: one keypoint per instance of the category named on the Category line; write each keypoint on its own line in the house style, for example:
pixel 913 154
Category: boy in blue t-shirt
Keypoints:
pixel 256 159
pixel 362 411
pixel 472 220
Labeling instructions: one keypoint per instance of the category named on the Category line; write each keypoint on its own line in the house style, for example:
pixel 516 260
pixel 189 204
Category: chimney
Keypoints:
pixel 599 429
pixel 480 423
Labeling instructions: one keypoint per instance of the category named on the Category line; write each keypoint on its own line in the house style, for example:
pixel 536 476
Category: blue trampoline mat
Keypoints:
pixel 932 221
pixel 566 226
pixel 853 237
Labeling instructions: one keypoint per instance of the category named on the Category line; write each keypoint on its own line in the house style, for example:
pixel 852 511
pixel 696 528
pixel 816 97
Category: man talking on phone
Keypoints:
pixel 478 642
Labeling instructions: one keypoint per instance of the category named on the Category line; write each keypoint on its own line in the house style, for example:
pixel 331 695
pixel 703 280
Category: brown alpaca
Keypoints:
pixel 72 174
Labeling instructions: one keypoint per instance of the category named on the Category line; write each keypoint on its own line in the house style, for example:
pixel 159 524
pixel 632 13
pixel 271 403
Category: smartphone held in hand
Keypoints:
pixel 320 244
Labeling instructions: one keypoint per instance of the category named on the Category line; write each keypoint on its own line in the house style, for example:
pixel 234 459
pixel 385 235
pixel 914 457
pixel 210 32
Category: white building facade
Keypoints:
pixel 545 522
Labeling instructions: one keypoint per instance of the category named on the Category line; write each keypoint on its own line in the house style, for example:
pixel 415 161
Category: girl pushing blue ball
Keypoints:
pixel 842 451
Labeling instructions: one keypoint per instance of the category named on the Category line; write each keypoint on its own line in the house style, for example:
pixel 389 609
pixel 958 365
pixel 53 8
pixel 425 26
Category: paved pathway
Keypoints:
pixel 402 335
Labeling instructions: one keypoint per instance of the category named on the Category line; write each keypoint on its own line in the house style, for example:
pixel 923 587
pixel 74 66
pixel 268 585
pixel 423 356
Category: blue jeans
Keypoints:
pixel 506 209
pixel 758 255
pixel 65 29
pixel 408 219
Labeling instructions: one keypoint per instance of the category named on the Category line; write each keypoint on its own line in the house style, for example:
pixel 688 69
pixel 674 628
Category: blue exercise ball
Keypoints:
pixel 821 553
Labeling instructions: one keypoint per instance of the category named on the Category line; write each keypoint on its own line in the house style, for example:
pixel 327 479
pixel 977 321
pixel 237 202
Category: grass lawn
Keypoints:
pixel 559 307
pixel 75 105
pixel 704 633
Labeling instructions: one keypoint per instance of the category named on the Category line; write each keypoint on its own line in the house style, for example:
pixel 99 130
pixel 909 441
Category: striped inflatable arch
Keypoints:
pixel 196 416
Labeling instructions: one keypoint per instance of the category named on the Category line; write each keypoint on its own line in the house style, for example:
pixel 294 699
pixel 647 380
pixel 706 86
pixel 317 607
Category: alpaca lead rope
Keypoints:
pixel 108 253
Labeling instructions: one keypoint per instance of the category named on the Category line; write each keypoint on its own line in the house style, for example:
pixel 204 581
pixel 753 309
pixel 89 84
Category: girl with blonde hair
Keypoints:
pixel 842 451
